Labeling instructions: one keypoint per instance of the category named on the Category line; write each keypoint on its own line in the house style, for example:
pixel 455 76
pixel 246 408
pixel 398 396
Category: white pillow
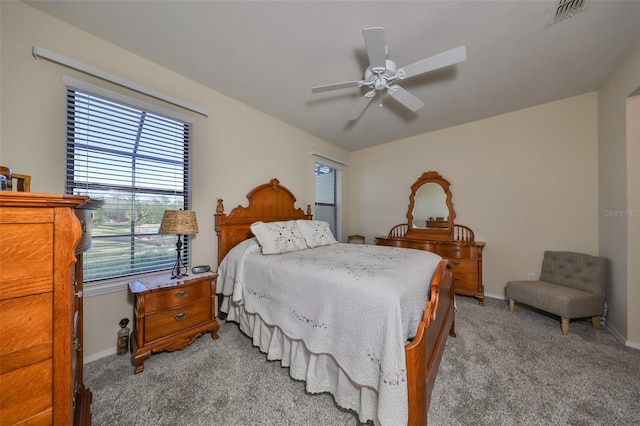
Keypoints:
pixel 316 232
pixel 278 237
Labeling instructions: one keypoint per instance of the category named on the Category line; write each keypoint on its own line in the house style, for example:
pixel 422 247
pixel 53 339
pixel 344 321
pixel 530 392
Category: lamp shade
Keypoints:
pixel 180 222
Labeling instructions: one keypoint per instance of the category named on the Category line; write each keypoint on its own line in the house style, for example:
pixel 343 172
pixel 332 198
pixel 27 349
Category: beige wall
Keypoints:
pixel 525 182
pixel 617 187
pixel 235 148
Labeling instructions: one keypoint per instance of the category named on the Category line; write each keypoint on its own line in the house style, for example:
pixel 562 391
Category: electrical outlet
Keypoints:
pixel 531 276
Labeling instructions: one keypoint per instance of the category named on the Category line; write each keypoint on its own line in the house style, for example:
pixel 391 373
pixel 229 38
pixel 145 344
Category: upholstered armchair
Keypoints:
pixel 571 285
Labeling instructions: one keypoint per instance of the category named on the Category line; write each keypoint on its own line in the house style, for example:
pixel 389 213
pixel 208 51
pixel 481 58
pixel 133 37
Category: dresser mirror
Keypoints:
pixel 430 215
pixel 430 226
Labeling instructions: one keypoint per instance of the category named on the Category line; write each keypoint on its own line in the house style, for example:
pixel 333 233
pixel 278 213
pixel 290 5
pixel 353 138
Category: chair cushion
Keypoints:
pixel 577 270
pixel 557 299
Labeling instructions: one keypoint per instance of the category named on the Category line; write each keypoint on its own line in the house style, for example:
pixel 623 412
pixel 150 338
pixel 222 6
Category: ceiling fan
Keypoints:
pixel 382 72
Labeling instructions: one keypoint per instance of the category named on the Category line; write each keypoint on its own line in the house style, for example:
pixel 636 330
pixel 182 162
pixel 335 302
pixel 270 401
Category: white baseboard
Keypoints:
pixel 619 337
pixel 633 345
pixel 94 357
pixel 495 296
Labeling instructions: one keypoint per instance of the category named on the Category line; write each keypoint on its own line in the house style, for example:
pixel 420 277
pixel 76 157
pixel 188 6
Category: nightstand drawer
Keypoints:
pixel 464 266
pixel 176 297
pixel 165 323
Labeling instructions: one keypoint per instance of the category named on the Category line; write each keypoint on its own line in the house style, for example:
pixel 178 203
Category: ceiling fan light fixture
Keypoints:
pixel 378 77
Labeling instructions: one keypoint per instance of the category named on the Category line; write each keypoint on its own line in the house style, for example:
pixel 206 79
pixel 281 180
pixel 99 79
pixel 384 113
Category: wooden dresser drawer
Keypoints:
pixel 384 241
pixel 464 266
pixel 26 323
pixel 27 393
pixel 420 245
pixel 26 253
pixel 455 250
pixel 400 242
pixel 165 323
pixel 396 242
pixel 176 297
pixel 465 283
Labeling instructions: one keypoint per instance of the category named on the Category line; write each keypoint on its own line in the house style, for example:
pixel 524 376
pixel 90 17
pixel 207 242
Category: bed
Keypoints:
pixel 383 365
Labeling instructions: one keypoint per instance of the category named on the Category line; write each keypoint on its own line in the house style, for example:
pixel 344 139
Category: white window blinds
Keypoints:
pixel 327 206
pixel 137 161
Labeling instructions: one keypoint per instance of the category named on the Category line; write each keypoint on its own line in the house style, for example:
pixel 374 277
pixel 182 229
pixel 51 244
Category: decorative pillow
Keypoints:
pixel 278 237
pixel 316 232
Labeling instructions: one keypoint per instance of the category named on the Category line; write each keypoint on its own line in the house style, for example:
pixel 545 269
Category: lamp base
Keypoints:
pixel 178 275
pixel 176 271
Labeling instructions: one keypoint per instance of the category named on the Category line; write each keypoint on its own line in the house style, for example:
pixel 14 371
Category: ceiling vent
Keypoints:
pixel 564 9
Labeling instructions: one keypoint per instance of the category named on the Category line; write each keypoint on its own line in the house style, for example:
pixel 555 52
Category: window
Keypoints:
pixel 327 205
pixel 137 161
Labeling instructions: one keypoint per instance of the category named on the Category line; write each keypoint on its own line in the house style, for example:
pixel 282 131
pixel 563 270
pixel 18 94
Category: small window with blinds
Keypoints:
pixel 327 206
pixel 137 161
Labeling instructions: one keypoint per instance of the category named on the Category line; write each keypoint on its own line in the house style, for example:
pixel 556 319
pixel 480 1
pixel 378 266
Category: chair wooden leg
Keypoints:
pixel 596 322
pixel 512 305
pixel 565 326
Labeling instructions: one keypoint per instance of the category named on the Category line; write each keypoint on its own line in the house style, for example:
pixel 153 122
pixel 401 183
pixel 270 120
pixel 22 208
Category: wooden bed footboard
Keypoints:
pixel 272 202
pixel 424 353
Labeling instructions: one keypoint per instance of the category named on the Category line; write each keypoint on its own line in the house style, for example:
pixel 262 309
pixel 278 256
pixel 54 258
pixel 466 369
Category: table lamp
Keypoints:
pixel 179 222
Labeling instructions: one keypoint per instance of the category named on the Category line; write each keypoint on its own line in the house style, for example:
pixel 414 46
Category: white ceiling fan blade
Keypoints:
pixel 405 98
pixel 362 105
pixel 374 42
pixel 434 62
pixel 335 86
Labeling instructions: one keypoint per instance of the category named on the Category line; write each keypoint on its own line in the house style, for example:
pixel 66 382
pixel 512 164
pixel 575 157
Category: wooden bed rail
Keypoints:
pixel 424 353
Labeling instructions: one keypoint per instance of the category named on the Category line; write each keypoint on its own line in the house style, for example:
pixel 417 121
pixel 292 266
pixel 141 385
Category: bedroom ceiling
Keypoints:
pixel 268 54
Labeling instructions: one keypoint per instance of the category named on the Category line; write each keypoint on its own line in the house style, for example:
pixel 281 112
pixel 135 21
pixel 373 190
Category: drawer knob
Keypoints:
pixel 456 278
pixel 455 250
pixel 455 263
pixel 182 294
pixel 180 316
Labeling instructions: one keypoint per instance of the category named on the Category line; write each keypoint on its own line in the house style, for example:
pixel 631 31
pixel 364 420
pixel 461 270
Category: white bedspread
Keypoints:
pixel 358 303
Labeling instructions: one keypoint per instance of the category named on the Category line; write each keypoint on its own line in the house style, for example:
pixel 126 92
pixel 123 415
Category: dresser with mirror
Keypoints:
pixel 431 226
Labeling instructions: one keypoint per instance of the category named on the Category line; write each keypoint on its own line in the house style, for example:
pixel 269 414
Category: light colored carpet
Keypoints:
pixel 502 369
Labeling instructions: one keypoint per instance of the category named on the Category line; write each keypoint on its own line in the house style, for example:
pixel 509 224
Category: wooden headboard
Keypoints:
pixel 269 202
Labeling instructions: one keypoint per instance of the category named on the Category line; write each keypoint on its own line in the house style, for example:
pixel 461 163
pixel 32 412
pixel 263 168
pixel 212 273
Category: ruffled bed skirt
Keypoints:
pixel 321 372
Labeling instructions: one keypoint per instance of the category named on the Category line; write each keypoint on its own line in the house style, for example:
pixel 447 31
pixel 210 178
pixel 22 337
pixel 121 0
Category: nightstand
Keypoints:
pixel 170 314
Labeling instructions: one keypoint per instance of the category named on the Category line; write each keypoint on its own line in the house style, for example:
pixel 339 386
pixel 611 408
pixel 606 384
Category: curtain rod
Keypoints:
pixel 326 157
pixel 42 53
